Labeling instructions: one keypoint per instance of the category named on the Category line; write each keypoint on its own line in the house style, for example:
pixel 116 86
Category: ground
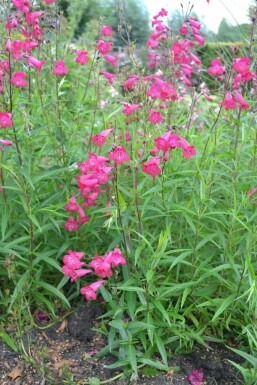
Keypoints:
pixel 66 352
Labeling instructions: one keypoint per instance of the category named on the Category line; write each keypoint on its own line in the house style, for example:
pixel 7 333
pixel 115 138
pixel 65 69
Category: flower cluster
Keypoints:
pixel 102 267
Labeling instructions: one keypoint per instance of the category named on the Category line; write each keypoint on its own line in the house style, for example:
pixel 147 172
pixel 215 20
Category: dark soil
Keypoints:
pixel 62 354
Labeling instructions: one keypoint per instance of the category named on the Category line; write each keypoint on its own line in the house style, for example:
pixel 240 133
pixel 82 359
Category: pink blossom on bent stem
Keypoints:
pixel 110 77
pixel 36 63
pixel 111 59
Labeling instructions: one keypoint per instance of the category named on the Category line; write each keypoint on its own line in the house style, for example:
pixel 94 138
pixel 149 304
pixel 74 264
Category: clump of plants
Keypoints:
pixel 140 180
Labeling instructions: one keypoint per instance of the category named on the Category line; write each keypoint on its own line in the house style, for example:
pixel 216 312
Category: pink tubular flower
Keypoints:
pixel 194 23
pixel 101 266
pixel 111 59
pixel 106 30
pixel 188 150
pixel 243 103
pixel 60 68
pixel 119 155
pixel 72 205
pixel 82 57
pixel 71 224
pixel 151 167
pixel 21 5
pixel 216 68
pixel 115 258
pixel 32 17
pixel 100 139
pixel 5 142
pixel 36 63
pixel 18 79
pixel 5 119
pixel 130 108
pixel 229 102
pixel 90 291
pixel 183 29
pixel 128 85
pixel 199 38
pixel 110 77
pixel 155 117
pixel 104 47
pixel 251 193
pixel 196 377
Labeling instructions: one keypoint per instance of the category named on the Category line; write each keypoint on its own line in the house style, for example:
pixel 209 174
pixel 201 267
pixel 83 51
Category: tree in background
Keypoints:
pixel 82 13
pixel 231 33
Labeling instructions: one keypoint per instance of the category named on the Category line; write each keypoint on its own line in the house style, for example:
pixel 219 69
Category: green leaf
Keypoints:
pixel 8 340
pixel 225 304
pixel 161 348
pixel 54 291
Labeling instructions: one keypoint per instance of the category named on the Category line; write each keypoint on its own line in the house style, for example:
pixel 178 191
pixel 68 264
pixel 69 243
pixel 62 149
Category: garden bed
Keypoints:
pixel 64 354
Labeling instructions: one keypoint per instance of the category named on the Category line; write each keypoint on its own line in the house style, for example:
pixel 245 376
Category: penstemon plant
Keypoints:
pixel 109 169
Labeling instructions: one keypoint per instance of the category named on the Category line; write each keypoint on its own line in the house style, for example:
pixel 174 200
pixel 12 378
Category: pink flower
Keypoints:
pixel 130 108
pixel 36 63
pixel 82 57
pixel 101 266
pixel 78 274
pixel 18 79
pixel 21 5
pixel 195 59
pixel 199 38
pixel 49 1
pixel 110 77
pixel 229 102
pixel 111 59
pixel 196 377
pixel 188 150
pixel 104 47
pixel 60 68
pixel 151 167
pixel 128 85
pixel 7 143
pixel 106 30
pixel 100 139
pixel 251 192
pixel 216 68
pixel 5 119
pixel 32 17
pixel 90 291
pixel 194 23
pixel 242 65
pixel 71 224
pixel 183 29
pixel 115 258
pixel 119 155
pixel 155 117
pixel 72 205
pixel 243 103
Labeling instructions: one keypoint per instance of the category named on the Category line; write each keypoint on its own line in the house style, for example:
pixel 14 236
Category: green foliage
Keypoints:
pixel 188 235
